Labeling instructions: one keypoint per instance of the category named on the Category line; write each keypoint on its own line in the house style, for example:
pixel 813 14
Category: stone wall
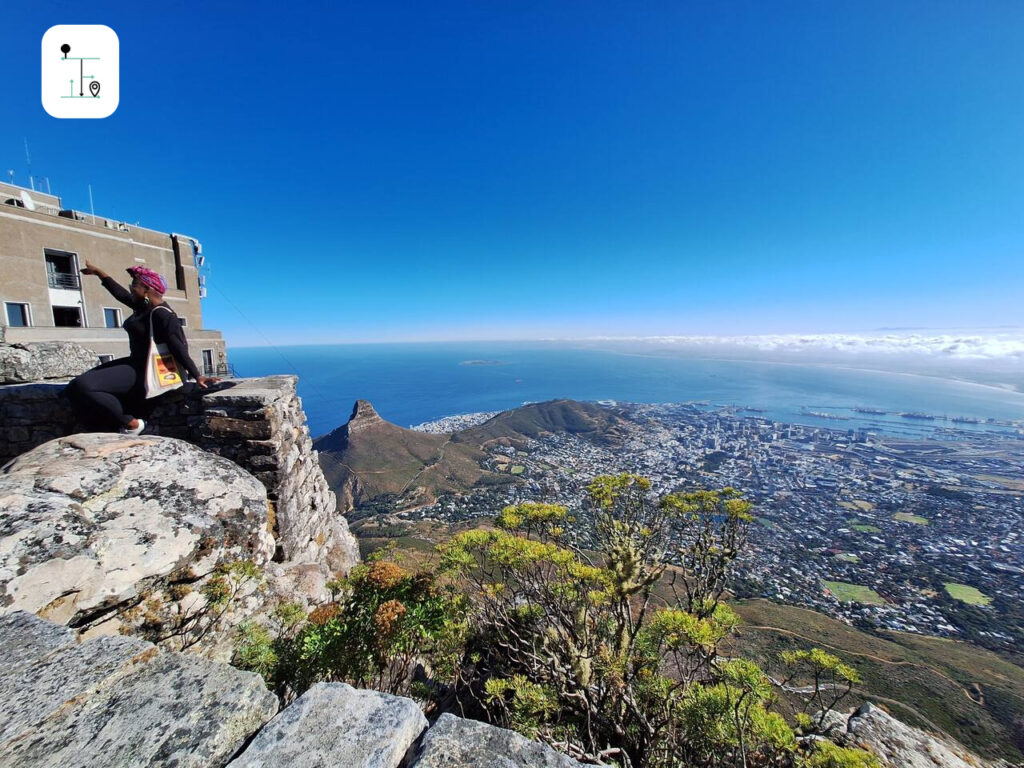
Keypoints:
pixel 31 414
pixel 257 423
pixel 20 363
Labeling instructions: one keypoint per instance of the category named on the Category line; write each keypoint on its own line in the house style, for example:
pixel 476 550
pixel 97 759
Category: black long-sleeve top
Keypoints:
pixel 166 330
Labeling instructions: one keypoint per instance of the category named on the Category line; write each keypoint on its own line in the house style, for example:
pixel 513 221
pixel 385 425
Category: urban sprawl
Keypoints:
pixel 917 535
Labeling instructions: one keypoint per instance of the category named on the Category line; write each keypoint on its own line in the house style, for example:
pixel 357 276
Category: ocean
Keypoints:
pixel 413 383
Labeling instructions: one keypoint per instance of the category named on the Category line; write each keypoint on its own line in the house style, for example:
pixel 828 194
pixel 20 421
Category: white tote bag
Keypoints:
pixel 162 374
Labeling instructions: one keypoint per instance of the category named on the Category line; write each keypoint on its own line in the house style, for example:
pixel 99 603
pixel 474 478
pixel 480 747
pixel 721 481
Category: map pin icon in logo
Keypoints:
pixel 94 87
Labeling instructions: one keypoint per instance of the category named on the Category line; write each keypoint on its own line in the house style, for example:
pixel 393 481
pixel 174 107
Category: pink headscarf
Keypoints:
pixel 152 280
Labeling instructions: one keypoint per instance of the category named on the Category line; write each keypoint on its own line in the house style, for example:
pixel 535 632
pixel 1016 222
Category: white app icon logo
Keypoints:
pixel 80 70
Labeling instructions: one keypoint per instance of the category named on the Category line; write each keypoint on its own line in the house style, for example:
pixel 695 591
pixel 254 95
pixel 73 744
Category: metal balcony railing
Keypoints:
pixel 68 280
pixel 221 370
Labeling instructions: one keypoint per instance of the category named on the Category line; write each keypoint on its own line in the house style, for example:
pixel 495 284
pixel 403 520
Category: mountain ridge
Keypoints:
pixel 368 457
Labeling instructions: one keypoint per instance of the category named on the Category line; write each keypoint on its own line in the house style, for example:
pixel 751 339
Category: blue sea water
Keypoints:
pixel 412 383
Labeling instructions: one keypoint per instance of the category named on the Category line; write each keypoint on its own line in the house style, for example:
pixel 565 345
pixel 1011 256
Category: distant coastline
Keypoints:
pixel 958 377
pixel 415 384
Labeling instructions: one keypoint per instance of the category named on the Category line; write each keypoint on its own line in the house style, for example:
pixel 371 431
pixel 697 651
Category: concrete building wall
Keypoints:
pixel 28 237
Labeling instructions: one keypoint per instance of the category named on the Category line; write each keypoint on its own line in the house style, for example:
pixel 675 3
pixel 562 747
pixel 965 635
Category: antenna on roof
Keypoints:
pixel 92 209
pixel 28 159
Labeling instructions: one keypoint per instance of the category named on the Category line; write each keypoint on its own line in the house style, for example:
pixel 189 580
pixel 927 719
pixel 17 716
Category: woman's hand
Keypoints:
pixel 205 381
pixel 90 269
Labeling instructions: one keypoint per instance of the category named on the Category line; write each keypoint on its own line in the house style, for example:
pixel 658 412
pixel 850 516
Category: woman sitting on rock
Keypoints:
pixel 105 398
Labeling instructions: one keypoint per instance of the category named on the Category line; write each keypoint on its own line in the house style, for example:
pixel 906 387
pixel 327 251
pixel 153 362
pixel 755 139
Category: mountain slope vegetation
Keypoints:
pixel 369 459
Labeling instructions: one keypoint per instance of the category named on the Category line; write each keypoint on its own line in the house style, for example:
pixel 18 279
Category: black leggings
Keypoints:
pixel 101 396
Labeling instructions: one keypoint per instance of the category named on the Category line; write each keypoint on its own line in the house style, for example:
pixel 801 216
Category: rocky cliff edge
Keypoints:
pixel 173 540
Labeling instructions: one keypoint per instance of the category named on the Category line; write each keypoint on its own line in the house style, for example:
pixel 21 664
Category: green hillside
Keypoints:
pixel 972 694
pixel 594 422
pixel 937 684
pixel 370 459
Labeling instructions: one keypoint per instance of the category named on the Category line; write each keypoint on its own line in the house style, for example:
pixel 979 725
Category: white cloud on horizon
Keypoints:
pixel 966 346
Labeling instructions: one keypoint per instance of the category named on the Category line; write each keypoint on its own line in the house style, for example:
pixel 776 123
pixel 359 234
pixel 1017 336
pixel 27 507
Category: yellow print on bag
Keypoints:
pixel 166 370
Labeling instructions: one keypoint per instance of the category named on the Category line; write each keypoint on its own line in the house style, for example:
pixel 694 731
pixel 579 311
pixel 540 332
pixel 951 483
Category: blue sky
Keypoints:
pixel 408 171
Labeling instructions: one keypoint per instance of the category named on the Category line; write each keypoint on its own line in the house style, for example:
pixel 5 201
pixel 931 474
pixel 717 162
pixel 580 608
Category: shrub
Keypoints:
pixel 384 622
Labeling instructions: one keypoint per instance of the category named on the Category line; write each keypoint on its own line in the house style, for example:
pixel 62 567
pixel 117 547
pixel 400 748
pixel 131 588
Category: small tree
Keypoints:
pixel 822 680
pixel 714 527
pixel 568 648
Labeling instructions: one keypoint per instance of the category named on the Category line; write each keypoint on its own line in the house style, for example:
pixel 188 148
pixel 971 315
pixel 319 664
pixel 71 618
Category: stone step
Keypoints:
pixel 120 703
pixel 455 741
pixel 333 724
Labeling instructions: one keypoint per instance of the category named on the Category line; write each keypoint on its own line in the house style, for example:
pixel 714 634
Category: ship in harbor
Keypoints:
pixel 965 420
pixel 823 415
pixel 918 415
pixel 872 411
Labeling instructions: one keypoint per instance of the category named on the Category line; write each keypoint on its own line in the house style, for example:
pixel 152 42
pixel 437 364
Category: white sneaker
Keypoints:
pixel 136 431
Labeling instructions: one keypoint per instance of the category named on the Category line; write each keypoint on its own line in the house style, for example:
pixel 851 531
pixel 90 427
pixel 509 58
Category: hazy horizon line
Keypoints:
pixel 999 341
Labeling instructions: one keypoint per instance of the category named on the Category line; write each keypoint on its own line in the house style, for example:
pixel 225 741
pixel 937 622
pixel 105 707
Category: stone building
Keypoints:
pixel 44 296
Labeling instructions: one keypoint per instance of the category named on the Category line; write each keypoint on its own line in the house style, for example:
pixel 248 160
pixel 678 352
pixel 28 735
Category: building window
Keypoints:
pixel 184 322
pixel 105 359
pixel 67 317
pixel 18 315
pixel 208 369
pixel 61 270
pixel 111 317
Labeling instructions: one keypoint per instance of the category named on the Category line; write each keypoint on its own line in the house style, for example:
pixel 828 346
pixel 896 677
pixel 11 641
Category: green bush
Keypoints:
pixel 383 623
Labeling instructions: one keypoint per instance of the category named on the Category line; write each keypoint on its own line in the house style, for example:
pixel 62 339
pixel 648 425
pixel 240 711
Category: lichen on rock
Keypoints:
pixel 95 526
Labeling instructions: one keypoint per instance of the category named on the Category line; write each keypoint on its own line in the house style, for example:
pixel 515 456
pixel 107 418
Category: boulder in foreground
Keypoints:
pixel 117 701
pixel 335 724
pixel 454 741
pixel 113 530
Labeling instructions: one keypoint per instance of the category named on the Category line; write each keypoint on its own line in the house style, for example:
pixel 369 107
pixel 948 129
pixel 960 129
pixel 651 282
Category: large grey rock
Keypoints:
pixel 36 361
pixel 455 742
pixel 257 424
pixel 333 724
pixel 897 744
pixel 118 701
pixel 37 691
pixel 92 523
pixel 174 710
pixel 25 638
